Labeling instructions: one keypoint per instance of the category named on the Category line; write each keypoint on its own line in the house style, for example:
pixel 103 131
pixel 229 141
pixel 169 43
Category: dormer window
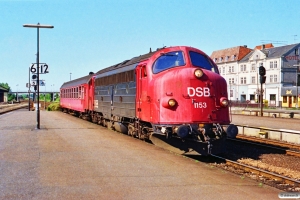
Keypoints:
pixel 233 57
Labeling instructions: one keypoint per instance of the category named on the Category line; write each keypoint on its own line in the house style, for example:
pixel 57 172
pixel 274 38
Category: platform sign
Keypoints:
pixel 33 83
pixel 43 68
pixel 42 83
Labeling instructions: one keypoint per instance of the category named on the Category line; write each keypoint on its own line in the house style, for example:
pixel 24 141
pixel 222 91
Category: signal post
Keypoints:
pixel 262 80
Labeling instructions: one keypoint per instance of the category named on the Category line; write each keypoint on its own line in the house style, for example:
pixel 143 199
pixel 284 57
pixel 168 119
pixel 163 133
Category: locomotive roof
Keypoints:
pixel 125 63
pixel 77 82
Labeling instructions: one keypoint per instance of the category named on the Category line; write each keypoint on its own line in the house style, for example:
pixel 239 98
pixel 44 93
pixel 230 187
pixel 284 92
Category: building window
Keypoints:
pixel 271 64
pixel 231 69
pixel 243 68
pixel 221 59
pixel 253 80
pixel 233 57
pixel 296 52
pixel 275 79
pixel 253 67
pixel 271 78
pixel 284 99
pixel 275 64
pixel 223 69
pixel 231 81
pixel 243 80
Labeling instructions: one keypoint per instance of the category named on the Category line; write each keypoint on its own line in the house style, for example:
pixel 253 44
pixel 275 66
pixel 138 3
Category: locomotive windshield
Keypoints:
pixel 199 60
pixel 168 60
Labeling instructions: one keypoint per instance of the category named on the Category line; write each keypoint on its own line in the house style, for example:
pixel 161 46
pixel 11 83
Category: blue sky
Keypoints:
pixel 90 35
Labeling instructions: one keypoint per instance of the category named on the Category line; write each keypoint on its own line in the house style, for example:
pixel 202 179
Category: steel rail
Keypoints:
pixel 269 141
pixel 287 152
pixel 258 171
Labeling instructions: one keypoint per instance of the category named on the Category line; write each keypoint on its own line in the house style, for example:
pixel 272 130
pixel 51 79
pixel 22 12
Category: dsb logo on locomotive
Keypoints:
pixel 198 91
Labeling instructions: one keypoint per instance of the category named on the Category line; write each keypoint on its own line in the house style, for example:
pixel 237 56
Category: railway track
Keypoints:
pixel 10 107
pixel 268 144
pixel 270 175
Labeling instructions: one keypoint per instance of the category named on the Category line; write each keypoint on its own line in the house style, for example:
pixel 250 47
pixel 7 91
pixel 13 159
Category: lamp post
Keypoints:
pixel 297 71
pixel 38 26
pixel 17 92
pixel 70 76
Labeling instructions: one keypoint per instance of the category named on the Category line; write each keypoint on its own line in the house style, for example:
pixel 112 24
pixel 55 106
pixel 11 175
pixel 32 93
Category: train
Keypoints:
pixel 173 97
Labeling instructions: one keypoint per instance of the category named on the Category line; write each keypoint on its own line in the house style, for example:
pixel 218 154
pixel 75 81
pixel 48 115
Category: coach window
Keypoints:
pixel 167 61
pixel 200 60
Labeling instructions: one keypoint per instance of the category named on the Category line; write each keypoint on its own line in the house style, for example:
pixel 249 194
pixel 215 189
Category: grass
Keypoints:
pixel 54 106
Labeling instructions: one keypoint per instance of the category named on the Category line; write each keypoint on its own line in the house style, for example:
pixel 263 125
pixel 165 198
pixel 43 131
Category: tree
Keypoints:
pixel 5 85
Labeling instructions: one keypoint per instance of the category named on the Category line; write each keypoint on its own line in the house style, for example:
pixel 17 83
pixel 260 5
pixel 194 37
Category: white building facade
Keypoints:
pixel 243 79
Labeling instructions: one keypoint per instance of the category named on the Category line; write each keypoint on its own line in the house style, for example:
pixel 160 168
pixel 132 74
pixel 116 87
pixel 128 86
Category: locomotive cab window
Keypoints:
pixel 167 61
pixel 199 60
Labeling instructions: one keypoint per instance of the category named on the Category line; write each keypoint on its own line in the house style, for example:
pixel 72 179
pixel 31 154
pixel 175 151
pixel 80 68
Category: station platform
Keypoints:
pixel 69 158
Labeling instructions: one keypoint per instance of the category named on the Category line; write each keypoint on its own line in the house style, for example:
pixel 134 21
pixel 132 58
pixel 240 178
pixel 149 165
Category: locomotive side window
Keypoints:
pixel 167 61
pixel 199 60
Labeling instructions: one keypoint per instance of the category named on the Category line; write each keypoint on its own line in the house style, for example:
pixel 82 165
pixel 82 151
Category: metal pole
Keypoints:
pixel 297 70
pixel 261 100
pixel 38 26
pixel 29 91
pixel 38 78
pixel 297 88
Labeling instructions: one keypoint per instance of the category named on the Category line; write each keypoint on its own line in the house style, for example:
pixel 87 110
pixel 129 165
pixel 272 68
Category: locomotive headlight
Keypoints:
pixel 198 73
pixel 224 102
pixel 169 103
pixel 172 103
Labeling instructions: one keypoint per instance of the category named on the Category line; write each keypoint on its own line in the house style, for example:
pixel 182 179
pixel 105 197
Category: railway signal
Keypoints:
pixel 262 80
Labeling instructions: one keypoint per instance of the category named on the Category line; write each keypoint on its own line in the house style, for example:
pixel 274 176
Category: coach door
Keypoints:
pixel 142 98
pixel 91 94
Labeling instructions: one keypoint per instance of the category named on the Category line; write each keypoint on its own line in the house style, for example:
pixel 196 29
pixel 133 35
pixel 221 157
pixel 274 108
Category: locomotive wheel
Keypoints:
pixel 187 146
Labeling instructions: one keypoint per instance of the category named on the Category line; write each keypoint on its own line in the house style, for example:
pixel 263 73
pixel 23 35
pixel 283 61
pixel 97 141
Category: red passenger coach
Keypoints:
pixel 77 96
pixel 174 97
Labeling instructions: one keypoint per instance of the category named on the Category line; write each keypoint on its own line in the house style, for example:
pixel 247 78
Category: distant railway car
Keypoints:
pixel 173 96
pixel 77 96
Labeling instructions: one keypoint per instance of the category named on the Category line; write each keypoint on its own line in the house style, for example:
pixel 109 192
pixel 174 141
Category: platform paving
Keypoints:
pixel 69 158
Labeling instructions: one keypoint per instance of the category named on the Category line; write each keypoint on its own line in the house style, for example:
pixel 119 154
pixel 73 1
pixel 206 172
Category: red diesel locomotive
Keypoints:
pixel 173 96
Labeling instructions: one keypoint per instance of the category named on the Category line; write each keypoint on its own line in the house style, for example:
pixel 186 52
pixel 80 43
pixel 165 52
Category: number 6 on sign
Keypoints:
pixel 32 69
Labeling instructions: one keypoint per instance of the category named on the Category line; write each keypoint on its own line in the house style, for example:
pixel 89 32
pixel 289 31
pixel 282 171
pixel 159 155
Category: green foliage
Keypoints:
pixel 5 85
pixel 11 97
pixel 54 106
